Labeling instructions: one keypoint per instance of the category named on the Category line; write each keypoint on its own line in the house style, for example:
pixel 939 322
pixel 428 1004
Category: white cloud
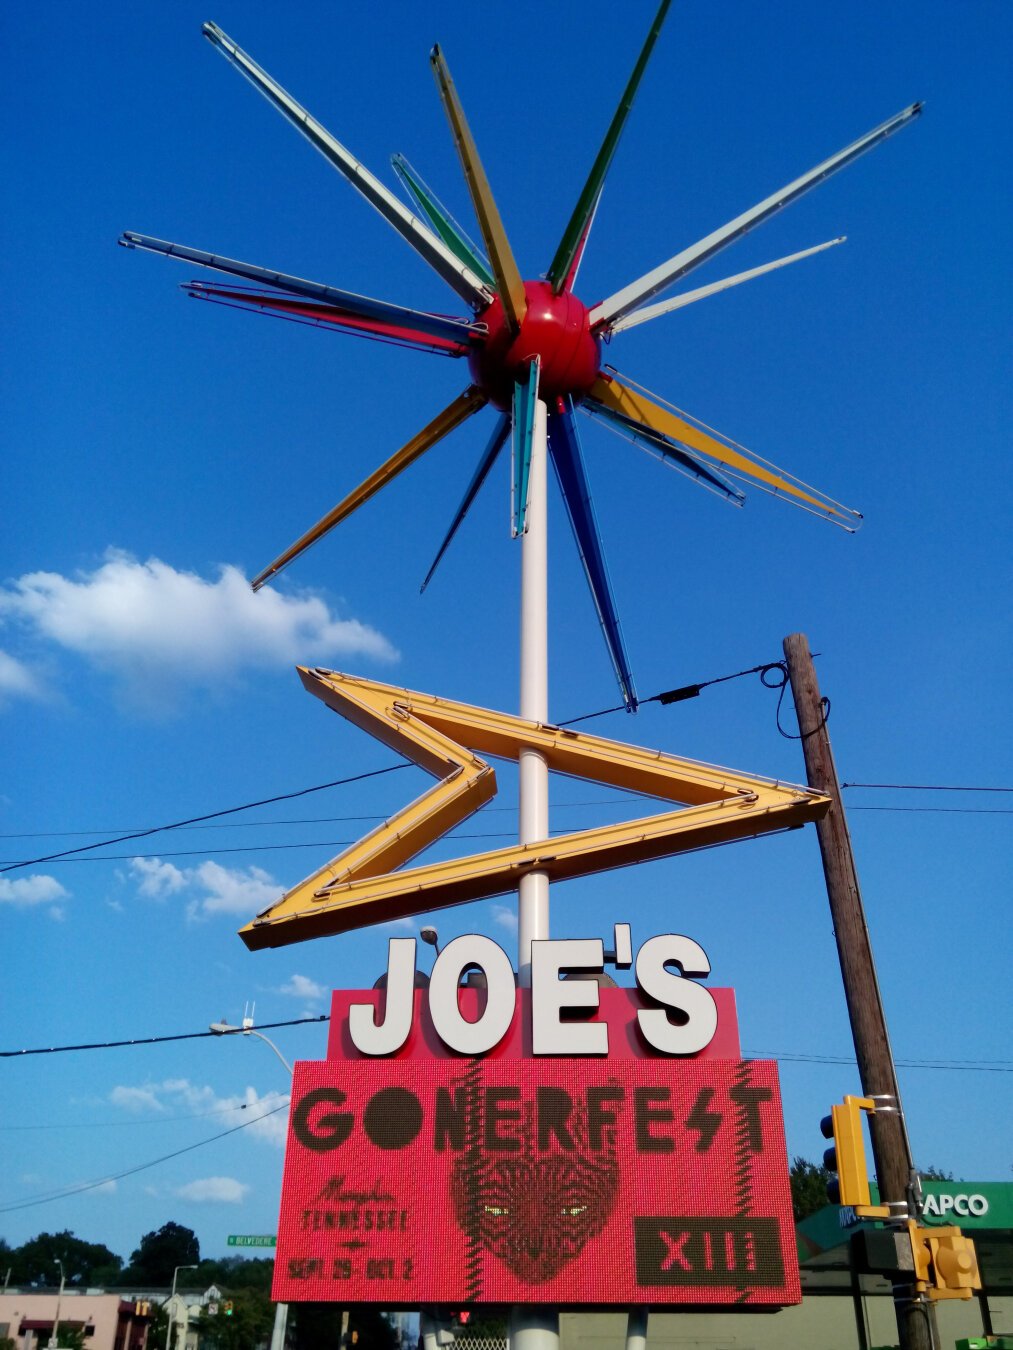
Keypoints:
pixel 136 1098
pixel 158 878
pixel 233 890
pixel 158 629
pixel 225 1190
pixel 505 916
pixel 37 889
pixel 180 1097
pixel 211 888
pixel 16 680
pixel 301 986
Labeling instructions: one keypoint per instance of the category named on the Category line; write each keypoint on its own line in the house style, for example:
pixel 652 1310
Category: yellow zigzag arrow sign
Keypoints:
pixel 360 886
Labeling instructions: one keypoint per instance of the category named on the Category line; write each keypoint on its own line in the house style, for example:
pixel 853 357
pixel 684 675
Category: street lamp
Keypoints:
pixel 54 1340
pixel 172 1310
pixel 247 1029
pixel 224 1029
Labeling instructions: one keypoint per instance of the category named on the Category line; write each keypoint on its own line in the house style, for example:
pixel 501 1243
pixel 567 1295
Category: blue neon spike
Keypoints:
pixel 564 449
pixel 639 434
pixel 525 399
pixel 492 450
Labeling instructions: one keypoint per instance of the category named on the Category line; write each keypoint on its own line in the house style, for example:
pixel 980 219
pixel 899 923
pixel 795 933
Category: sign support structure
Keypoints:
pixel 534 1328
pixel 899 1186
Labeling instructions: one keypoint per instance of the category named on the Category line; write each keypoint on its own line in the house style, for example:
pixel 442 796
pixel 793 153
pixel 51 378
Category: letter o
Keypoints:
pixel 977 1204
pixel 472 1038
pixel 392 1118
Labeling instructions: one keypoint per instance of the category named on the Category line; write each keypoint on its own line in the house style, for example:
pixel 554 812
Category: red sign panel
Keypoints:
pixel 577 1181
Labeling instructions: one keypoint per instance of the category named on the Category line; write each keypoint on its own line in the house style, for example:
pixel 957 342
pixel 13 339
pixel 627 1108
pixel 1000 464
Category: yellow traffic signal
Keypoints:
pixel 847 1157
pixel 945 1262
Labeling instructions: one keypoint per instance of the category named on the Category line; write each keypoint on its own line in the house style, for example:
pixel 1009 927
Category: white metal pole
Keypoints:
pixel 534 1328
pixel 533 892
pixel 54 1340
pixel 636 1329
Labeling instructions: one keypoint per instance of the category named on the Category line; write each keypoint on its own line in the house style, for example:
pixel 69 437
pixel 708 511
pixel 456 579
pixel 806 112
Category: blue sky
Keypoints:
pixel 158 452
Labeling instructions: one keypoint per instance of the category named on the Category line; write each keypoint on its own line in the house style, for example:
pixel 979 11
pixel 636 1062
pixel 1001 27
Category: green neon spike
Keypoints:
pixel 525 398
pixel 559 268
pixel 441 220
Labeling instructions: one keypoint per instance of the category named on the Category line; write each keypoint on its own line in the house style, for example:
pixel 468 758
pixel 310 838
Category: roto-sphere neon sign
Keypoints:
pixel 567 1144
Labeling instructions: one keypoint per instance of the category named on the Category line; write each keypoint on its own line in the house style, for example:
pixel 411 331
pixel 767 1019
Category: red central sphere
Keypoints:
pixel 556 329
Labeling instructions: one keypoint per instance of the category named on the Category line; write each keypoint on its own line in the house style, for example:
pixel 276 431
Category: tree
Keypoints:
pixel 35 1262
pixel 935 1174
pixel 248 1327
pixel 808 1187
pixel 161 1252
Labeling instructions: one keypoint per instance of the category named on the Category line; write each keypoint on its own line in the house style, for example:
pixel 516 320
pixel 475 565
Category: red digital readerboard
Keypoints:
pixel 626 1180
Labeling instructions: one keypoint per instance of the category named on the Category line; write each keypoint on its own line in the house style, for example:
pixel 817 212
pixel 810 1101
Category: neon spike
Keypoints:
pixel 489 458
pixel 564 448
pixel 436 325
pixel 691 297
pixel 304 311
pixel 433 250
pixel 575 234
pixel 509 284
pixel 661 447
pixel 635 406
pixel 442 425
pixel 441 220
pixel 631 297
pixel 525 398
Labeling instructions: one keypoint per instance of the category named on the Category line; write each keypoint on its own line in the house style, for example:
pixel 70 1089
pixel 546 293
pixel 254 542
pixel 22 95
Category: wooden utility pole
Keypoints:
pixel 895 1169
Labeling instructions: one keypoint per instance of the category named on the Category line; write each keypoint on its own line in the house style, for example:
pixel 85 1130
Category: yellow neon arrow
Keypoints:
pixel 441 736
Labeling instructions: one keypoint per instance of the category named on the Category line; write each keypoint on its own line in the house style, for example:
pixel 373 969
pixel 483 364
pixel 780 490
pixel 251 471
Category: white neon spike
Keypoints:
pixel 690 297
pixel 432 249
pixel 608 312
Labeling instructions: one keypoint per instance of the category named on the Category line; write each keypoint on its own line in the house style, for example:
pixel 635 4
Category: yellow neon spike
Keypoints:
pixel 508 278
pixel 442 737
pixel 632 403
pixel 462 407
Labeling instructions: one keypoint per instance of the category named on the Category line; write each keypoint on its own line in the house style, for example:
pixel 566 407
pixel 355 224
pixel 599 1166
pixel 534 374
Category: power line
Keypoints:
pixel 925 787
pixel 211 815
pixel 989 1065
pixel 153 1040
pixel 955 1066
pixel 293 820
pixel 941 810
pixel 64 1193
pixel 119 1124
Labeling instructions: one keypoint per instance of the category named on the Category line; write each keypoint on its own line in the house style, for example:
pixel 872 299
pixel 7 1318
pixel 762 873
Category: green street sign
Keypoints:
pixel 252 1240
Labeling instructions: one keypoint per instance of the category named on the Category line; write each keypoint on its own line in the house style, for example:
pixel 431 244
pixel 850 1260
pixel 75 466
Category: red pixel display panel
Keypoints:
pixel 571 1182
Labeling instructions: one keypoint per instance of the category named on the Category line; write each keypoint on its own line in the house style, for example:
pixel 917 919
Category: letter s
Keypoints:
pixel 678 992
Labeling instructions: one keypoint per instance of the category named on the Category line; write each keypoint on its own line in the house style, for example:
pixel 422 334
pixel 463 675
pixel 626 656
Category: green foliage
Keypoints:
pixel 935 1174
pixel 248 1327
pixel 161 1252
pixel 808 1187
pixel 70 1338
pixel 85 1264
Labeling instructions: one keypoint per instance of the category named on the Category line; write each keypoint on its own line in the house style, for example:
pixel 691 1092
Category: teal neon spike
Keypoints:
pixel 575 232
pixel 525 398
pixel 441 220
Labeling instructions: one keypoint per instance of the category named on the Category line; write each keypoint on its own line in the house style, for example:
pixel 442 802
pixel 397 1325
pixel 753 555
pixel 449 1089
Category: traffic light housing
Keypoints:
pixel 227 1307
pixel 945 1262
pixel 847 1157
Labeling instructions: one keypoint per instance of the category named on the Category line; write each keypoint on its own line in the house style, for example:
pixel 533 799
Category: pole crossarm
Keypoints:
pixel 447 739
